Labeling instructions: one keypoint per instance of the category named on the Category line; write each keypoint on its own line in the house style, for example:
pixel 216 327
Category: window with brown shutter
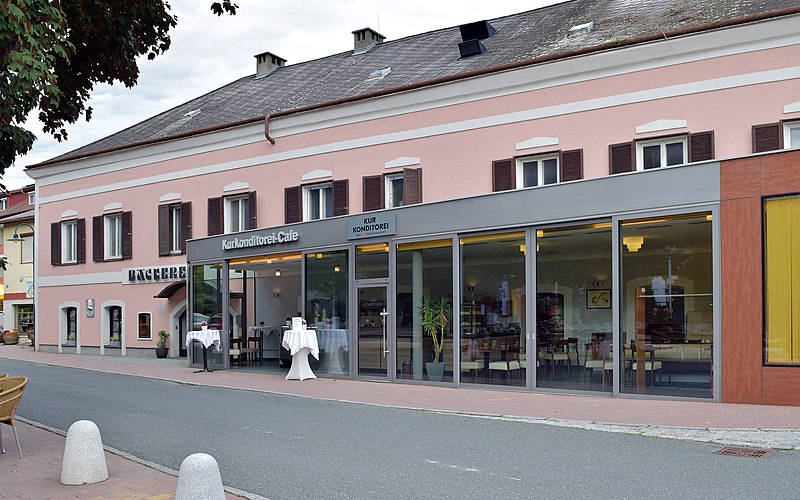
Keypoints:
pixel 252 222
pixel 80 241
pixel 293 204
pixel 621 158
pixel 767 137
pixel 504 175
pixel 701 146
pixel 373 195
pixel 55 244
pixel 127 235
pixel 186 224
pixel 341 197
pixel 412 186
pixel 164 233
pixel 214 216
pixel 98 252
pixel 571 163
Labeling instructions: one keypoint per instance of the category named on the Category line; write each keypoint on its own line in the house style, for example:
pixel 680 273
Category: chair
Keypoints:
pixel 650 365
pixel 235 351
pixel 471 363
pixel 11 390
pixel 565 350
pixel 510 363
pixel 253 350
pixel 597 354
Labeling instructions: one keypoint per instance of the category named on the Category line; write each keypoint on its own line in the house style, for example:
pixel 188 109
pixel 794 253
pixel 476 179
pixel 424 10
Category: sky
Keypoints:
pixel 208 52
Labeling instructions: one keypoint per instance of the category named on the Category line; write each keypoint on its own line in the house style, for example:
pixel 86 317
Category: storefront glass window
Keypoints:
pixel 425 287
pixel 206 308
pixel 327 303
pixel 573 308
pixel 372 261
pixel 782 280
pixel 493 309
pixel 666 308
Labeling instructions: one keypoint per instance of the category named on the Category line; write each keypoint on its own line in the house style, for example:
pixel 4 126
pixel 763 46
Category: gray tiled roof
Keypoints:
pixel 422 57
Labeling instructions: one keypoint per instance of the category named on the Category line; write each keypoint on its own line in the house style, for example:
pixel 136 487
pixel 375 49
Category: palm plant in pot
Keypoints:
pixel 161 347
pixel 436 313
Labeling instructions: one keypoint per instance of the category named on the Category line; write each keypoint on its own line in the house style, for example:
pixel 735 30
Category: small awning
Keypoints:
pixel 170 290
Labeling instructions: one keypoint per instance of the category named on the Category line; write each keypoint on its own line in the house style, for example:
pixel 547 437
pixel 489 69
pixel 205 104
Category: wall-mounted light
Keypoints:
pixel 277 272
pixel 522 249
pixel 276 295
pixel 336 268
pixel 633 243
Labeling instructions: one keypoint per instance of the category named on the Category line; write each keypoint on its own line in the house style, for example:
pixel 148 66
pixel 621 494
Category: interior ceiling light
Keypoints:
pixel 277 272
pixel 633 243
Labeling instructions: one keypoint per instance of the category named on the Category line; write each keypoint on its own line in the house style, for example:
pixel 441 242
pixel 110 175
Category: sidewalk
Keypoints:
pixel 741 425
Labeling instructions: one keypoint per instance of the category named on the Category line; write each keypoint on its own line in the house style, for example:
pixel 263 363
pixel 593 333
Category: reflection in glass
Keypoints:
pixel 424 272
pixel 493 309
pixel 573 308
pixel 666 311
pixel 206 307
pixel 372 333
pixel 372 261
pixel 327 299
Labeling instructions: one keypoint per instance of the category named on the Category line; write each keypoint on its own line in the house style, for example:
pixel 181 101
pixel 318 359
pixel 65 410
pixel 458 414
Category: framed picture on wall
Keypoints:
pixel 598 299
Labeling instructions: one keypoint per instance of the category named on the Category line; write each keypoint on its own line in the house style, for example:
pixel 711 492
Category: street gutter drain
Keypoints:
pixel 743 452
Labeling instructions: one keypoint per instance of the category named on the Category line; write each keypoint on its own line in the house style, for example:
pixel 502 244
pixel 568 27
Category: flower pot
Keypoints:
pixel 435 371
pixel 161 352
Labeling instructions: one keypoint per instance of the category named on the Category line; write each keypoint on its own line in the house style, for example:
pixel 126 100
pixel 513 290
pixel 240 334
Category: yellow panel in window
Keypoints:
pixel 491 237
pixel 422 245
pixel 781 275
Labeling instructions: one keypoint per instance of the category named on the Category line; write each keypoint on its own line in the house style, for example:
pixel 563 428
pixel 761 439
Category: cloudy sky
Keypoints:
pixel 208 52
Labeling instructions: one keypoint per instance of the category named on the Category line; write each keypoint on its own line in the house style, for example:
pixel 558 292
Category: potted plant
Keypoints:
pixel 161 347
pixel 435 315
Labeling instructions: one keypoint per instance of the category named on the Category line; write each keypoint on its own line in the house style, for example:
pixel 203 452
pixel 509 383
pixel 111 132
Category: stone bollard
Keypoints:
pixel 84 457
pixel 199 479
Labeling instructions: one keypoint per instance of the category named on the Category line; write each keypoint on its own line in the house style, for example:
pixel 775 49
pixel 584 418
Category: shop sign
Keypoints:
pixel 372 225
pixel 155 274
pixel 259 240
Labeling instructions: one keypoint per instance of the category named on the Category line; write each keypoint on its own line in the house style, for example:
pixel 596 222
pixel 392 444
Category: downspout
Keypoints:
pixel 266 130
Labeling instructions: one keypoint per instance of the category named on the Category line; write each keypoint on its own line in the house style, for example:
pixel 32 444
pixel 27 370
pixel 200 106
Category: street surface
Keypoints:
pixel 290 447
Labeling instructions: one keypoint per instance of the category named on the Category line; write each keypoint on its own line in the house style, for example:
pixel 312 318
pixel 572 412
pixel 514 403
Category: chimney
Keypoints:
pixel 267 62
pixel 471 36
pixel 365 39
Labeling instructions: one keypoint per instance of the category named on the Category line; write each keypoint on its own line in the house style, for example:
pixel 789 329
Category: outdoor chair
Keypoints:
pixel 11 389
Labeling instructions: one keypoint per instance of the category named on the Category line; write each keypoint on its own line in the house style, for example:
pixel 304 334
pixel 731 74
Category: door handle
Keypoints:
pixel 383 321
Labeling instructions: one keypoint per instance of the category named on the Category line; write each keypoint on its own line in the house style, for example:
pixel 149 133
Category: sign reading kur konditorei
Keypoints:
pixel 153 274
pixel 371 225
pixel 261 240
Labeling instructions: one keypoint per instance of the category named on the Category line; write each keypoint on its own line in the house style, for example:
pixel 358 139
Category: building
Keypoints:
pixel 580 185
pixel 17 217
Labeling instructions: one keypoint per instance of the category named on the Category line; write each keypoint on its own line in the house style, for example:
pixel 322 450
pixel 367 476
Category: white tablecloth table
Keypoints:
pixel 207 338
pixel 330 341
pixel 300 343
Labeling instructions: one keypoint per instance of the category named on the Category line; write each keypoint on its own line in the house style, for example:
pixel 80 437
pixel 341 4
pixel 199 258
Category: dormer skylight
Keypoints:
pixel 192 113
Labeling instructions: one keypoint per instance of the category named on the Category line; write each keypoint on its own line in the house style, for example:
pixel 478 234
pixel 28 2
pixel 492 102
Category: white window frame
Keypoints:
pixel 26 249
pixel 389 190
pixel 788 127
pixel 69 242
pixel 662 142
pixel 235 214
pixel 112 227
pixel 175 228
pixel 3 203
pixel 539 170
pixel 319 190
pixel 31 198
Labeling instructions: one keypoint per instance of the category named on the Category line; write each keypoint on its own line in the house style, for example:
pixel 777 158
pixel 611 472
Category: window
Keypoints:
pixel 660 153
pixel 114 326
pixel 236 214
pixel 144 326
pixel 69 242
pixel 174 228
pixel 792 135
pixel 113 236
pixel 27 248
pixel 781 286
pixel 3 203
pixel 318 202
pixel 537 171
pixel 31 198
pixel 71 333
pixel 394 190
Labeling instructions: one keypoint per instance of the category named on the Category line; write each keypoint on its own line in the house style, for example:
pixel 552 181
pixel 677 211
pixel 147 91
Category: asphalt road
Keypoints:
pixel 290 447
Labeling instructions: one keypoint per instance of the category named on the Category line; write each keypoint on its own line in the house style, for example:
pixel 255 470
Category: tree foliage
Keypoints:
pixel 55 51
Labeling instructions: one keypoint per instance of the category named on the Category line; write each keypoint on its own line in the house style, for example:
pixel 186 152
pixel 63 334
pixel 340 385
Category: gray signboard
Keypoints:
pixel 369 226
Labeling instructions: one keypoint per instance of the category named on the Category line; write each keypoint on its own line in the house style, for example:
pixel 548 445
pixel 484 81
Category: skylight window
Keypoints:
pixel 379 73
pixel 192 113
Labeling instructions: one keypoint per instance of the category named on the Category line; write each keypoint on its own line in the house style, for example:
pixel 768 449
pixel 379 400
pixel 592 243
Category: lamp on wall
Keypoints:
pixel 633 243
pixel 336 268
pixel 277 272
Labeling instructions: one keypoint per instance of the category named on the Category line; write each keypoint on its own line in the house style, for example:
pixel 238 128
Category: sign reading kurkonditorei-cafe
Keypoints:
pixel 154 274
pixel 261 240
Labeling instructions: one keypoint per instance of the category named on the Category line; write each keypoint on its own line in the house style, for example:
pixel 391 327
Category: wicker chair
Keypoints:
pixel 11 389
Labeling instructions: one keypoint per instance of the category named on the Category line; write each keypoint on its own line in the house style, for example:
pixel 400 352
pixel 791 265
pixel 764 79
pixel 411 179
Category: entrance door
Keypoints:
pixel 182 335
pixel 373 344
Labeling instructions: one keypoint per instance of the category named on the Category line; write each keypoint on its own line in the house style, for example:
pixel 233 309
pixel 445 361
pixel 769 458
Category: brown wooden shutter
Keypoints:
pixel 215 216
pixel 293 204
pixel 252 208
pixel 412 186
pixel 341 197
pixel 98 254
pixel 621 157
pixel 571 163
pixel 80 243
pixel 55 243
pixel 701 146
pixel 768 137
pixel 164 233
pixel 127 235
pixel 504 175
pixel 186 224
pixel 373 194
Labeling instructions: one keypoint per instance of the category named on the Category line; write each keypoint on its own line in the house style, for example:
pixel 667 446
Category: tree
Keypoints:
pixel 55 51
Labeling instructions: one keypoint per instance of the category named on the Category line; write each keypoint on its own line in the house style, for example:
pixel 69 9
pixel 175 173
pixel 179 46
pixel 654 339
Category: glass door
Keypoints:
pixel 373 344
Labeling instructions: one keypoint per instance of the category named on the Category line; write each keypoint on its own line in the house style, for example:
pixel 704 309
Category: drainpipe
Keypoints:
pixel 266 130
